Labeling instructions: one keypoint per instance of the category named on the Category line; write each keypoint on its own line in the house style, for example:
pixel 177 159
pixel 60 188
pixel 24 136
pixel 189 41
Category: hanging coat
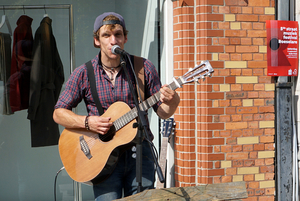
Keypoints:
pixel 19 80
pixel 47 77
pixel 5 63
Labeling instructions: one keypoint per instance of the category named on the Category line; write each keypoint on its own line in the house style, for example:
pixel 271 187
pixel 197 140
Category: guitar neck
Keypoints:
pixel 144 106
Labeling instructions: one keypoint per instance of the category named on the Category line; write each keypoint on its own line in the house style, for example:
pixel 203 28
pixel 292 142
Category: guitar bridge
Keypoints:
pixel 85 148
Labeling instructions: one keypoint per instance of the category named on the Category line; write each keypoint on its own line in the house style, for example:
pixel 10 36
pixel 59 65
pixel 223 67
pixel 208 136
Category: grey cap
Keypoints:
pixel 99 20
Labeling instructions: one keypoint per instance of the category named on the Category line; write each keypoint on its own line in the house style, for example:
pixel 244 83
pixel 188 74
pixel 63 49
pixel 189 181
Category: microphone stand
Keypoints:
pixel 142 126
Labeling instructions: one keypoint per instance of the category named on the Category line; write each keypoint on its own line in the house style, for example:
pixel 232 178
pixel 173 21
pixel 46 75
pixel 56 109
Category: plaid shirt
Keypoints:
pixel 78 88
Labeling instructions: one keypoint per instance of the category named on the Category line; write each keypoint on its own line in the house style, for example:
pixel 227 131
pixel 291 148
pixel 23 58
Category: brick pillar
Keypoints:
pixel 226 124
pixel 185 140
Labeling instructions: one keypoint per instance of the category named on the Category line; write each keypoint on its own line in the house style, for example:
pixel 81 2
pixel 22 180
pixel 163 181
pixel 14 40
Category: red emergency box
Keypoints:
pixel 282 47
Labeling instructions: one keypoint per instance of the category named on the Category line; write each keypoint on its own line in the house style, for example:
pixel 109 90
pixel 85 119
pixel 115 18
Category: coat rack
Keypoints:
pixel 44 7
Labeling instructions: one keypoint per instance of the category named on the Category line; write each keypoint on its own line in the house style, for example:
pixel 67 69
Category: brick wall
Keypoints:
pixel 225 125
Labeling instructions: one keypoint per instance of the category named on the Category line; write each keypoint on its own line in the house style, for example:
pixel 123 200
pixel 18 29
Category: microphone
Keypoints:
pixel 117 50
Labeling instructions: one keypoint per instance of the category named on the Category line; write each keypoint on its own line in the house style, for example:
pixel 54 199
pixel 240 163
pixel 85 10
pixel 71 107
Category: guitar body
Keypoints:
pixel 103 155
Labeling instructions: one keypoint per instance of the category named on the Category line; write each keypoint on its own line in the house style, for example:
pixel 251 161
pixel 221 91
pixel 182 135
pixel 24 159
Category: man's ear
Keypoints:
pixel 96 42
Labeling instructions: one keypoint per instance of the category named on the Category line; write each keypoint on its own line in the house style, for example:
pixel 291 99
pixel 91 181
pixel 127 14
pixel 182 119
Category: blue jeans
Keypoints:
pixel 123 179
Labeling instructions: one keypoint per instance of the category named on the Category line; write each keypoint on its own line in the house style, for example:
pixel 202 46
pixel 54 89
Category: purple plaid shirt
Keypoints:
pixel 78 88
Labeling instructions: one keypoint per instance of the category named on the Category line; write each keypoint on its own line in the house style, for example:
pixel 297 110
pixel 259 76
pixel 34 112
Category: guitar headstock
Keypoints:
pixel 200 71
pixel 168 126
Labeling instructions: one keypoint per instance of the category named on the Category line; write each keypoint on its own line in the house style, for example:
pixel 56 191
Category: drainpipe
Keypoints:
pixel 297 137
pixel 285 139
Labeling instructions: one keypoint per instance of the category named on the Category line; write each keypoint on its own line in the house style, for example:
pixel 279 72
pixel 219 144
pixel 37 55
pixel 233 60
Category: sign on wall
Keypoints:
pixel 282 47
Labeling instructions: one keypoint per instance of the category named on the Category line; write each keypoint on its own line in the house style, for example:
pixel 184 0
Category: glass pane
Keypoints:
pixel 28 172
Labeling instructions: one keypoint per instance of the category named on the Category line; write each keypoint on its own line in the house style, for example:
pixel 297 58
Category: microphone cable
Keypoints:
pixel 55 181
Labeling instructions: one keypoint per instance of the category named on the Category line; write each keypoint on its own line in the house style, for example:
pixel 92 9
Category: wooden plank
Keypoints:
pixel 222 191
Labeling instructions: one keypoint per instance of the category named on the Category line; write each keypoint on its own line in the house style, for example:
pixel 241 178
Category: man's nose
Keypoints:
pixel 113 39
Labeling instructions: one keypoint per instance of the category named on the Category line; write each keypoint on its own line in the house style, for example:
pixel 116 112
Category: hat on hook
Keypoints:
pixel 99 20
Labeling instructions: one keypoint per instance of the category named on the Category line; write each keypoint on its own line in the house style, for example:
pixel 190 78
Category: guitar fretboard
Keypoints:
pixel 145 105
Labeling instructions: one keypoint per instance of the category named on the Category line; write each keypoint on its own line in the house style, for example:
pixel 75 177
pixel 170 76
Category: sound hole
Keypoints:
pixel 109 135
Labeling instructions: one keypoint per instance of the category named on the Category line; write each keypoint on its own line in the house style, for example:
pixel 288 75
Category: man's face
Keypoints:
pixel 108 38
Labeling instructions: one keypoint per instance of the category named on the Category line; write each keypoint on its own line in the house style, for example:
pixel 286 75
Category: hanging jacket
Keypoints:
pixel 19 80
pixel 5 63
pixel 47 77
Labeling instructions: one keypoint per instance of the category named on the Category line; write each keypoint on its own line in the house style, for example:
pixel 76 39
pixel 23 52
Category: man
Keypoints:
pixel 112 86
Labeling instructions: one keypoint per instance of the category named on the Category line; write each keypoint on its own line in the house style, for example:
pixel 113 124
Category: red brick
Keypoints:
pixel 258 10
pixel 248 110
pixel 247 49
pixel 258 25
pixel 259 147
pixel 253 184
pixel 264 18
pixel 257 3
pixel 237 163
pixel 231 2
pixel 258 41
pixel 236 87
pixel 224 25
pixel 229 80
pixel 234 95
pixel 246 25
pixel 225 118
pixel 237 148
pixel 216 141
pixel 247 117
pixel 235 72
pixel 237 133
pixel 236 118
pixel 235 33
pixel 247 132
pixel 210 17
pixel 224 9
pixel 230 49
pixel 215 2
pixel 235 9
pixel 235 41
pixel 246 57
pixel 249 177
pixel 247 72
pixel 266 139
pixel 246 18
pixel 226 148
pixel 247 87
pixel 224 41
pixel 235 57
pixel 257 64
pixel 215 126
pixel 265 169
pixel 247 148
pixel 203 9
pixel 230 141
pixel 235 156
pixel 215 172
pixel 266 109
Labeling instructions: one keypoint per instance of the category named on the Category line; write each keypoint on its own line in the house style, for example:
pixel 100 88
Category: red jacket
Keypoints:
pixel 19 81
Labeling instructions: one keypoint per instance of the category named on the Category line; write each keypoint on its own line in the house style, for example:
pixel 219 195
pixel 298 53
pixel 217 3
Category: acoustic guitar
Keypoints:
pixel 89 157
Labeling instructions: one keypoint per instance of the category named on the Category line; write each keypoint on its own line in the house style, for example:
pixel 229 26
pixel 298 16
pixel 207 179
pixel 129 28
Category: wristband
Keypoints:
pixel 86 123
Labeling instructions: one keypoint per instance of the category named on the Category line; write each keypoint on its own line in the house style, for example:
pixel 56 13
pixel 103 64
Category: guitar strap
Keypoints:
pixel 91 76
pixel 139 71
